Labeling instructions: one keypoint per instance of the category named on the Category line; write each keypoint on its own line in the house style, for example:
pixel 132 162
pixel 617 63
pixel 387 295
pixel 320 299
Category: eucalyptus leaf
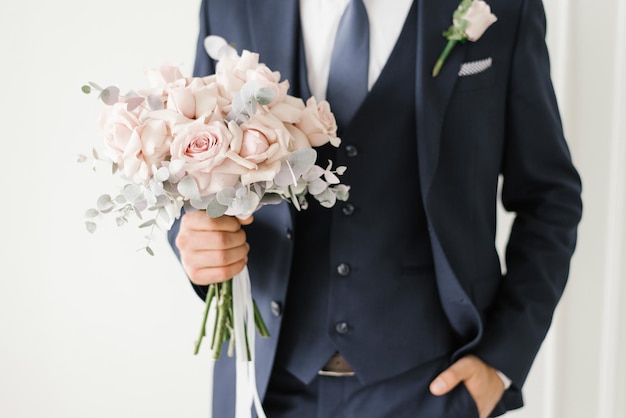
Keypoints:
pixel 137 212
pixel 140 205
pixel 188 188
pixel 271 199
pixel 331 177
pixel 120 220
pixel 215 209
pixel 147 223
pixel 110 95
pixel 317 186
pixel 226 196
pixel 91 226
pixel 132 192
pixel 164 216
pixel 149 251
pixel 265 95
pixel 104 203
pixel 155 102
pixel 327 198
pixel 91 213
pixel 342 192
pixel 162 174
pixel 238 106
pixel 298 163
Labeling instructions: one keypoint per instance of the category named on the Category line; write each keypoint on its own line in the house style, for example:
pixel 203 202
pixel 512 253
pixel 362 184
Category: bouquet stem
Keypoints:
pixel 222 295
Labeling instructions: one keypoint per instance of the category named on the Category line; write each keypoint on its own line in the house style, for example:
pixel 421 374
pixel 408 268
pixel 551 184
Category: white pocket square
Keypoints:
pixel 475 67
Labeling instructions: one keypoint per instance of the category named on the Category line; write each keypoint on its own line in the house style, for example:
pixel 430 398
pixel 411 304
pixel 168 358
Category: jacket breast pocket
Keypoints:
pixel 475 74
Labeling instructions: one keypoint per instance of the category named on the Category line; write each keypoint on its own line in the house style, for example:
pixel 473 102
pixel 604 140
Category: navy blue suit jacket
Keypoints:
pixel 472 130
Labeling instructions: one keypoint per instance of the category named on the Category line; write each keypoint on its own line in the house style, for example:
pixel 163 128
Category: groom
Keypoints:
pixel 394 304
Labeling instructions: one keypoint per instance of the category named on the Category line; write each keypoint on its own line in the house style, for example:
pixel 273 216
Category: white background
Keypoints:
pixel 90 327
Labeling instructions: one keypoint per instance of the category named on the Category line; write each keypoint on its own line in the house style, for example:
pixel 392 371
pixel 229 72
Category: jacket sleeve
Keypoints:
pixel 203 65
pixel 543 189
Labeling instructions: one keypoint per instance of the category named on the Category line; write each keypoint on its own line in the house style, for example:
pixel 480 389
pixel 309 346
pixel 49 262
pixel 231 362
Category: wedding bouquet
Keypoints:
pixel 227 144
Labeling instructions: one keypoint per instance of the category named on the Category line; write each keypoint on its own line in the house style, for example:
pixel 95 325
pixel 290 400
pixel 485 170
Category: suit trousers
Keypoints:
pixel 402 396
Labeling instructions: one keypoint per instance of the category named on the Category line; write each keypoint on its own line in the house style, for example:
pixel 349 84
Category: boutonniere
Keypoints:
pixel 469 21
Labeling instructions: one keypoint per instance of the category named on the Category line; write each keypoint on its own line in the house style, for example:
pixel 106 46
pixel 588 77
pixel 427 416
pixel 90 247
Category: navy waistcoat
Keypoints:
pixel 359 285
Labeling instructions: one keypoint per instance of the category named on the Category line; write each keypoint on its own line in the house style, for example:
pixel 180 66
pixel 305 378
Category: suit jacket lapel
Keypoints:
pixel 432 93
pixel 432 96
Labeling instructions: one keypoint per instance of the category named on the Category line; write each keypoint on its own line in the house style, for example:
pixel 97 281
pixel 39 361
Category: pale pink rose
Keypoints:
pixel 231 72
pixel 148 146
pixel 182 100
pixel 318 123
pixel 289 110
pixel 479 18
pixel 203 148
pixel 270 80
pixel 274 131
pixel 253 145
pixel 117 125
pixel 265 141
pixel 165 74
pixel 208 99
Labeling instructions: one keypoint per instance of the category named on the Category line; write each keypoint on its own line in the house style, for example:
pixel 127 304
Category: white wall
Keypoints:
pixel 91 328
pixel 88 326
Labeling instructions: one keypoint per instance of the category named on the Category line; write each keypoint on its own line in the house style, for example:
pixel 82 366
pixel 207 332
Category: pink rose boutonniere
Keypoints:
pixel 469 21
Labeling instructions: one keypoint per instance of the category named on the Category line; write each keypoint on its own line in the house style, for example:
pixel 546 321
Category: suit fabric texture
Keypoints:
pixel 490 115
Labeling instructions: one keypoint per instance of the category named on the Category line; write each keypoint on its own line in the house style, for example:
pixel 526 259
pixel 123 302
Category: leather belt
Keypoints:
pixel 337 366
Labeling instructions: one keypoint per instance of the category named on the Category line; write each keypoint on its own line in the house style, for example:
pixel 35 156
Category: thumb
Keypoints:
pixel 451 377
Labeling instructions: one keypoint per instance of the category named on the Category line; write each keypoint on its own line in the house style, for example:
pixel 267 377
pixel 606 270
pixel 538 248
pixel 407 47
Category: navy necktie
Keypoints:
pixel 349 64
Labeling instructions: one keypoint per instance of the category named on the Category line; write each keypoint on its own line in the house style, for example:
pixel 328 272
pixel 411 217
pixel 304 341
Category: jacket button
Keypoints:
pixel 343 269
pixel 276 308
pixel 288 233
pixel 348 209
pixel 351 151
pixel 342 327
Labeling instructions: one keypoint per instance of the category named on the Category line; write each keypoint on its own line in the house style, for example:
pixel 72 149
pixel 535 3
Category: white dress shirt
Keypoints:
pixel 320 19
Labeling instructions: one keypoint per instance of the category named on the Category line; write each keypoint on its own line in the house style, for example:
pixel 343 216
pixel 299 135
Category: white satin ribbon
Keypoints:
pixel 244 328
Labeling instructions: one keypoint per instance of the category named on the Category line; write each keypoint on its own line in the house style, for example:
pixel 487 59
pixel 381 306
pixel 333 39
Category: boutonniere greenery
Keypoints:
pixel 469 21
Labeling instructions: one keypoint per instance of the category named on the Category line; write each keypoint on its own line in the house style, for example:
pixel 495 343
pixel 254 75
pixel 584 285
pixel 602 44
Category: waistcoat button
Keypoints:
pixel 348 209
pixel 276 308
pixel 343 269
pixel 342 327
pixel 351 151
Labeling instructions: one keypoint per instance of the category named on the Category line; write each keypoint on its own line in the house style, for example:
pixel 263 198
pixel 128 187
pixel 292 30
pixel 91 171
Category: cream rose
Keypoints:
pixel 479 18
pixel 318 123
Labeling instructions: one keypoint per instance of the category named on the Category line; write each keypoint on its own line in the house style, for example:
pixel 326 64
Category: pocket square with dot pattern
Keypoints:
pixel 475 67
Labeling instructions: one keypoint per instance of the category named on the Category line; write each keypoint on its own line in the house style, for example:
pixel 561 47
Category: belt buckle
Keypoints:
pixel 336 366
pixel 328 373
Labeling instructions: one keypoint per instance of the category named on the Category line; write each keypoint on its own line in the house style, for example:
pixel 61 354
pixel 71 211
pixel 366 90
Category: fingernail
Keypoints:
pixel 439 386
